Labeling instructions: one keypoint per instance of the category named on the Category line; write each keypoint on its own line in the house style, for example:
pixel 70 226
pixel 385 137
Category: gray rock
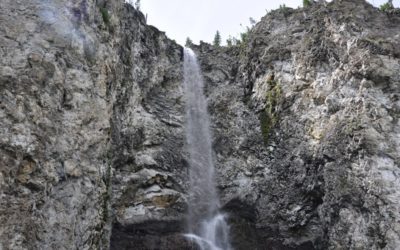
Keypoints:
pixel 305 116
pixel 326 176
pixel 75 78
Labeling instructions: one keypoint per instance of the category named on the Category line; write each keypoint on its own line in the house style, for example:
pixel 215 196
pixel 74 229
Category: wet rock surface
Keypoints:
pixel 305 116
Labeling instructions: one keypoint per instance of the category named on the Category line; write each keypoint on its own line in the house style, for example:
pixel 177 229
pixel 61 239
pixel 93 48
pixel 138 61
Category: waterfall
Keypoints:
pixel 206 225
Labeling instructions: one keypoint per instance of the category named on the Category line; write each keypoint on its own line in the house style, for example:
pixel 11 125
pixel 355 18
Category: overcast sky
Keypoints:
pixel 200 19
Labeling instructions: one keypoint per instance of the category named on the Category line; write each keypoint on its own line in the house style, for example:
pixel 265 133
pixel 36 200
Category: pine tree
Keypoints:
pixel 229 42
pixel 189 42
pixel 217 39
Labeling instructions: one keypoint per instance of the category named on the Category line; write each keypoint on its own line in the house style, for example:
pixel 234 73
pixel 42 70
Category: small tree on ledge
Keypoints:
pixel 217 39
pixel 387 6
pixel 229 41
pixel 189 42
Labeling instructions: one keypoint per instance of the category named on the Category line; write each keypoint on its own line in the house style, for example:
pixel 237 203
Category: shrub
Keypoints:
pixel 105 15
pixel 269 117
pixel 232 41
pixel 386 6
pixel 243 42
pixel 244 36
pixel 229 41
pixel 306 3
pixel 282 7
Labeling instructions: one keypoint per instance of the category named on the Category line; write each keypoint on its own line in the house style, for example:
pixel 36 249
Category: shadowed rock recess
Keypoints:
pixel 304 113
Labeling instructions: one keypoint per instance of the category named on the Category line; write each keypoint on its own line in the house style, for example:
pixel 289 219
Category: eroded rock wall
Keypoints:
pixel 305 116
pixel 306 121
pixel 82 83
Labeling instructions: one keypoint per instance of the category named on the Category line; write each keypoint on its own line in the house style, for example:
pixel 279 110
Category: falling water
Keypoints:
pixel 207 226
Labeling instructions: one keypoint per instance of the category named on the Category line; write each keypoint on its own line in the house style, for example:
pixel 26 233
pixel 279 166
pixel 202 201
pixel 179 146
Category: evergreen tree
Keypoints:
pixel 229 41
pixel 245 35
pixel 189 42
pixel 217 39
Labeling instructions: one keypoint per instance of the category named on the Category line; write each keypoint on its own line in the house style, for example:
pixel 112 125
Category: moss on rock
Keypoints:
pixel 269 117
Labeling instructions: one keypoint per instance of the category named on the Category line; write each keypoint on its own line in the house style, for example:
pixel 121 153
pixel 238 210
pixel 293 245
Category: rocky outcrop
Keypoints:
pixel 80 112
pixel 305 116
pixel 306 121
pixel 149 170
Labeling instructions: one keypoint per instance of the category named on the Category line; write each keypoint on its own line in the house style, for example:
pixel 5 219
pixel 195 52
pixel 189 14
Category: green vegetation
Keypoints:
pixel 306 3
pixel 266 125
pixel 244 36
pixel 269 117
pixel 217 39
pixel 242 41
pixel 105 15
pixel 232 41
pixel 229 41
pixel 387 6
pixel 284 9
pixel 353 125
pixel 188 42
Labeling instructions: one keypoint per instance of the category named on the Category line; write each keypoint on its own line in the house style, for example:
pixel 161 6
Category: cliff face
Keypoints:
pixel 79 114
pixel 320 86
pixel 305 116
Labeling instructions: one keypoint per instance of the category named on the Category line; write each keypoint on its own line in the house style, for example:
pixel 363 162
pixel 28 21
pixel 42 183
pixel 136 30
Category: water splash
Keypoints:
pixel 207 226
pixel 60 17
pixel 66 19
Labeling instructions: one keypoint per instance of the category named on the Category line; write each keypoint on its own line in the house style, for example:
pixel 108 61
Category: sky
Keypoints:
pixel 200 19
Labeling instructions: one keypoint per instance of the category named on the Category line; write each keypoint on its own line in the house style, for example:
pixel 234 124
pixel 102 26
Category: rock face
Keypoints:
pixel 305 116
pixel 321 87
pixel 82 126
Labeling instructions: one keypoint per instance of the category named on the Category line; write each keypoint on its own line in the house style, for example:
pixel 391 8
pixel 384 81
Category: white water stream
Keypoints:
pixel 207 227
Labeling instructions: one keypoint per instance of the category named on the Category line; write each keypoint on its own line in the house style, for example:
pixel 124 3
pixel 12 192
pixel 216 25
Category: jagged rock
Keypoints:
pixel 305 117
pixel 75 78
pixel 327 177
